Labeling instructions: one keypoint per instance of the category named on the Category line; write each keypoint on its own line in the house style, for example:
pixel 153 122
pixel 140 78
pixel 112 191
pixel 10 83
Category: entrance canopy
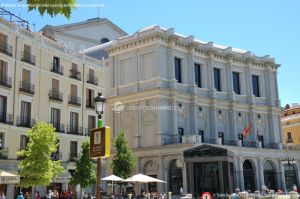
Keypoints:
pixel 206 150
pixel 8 178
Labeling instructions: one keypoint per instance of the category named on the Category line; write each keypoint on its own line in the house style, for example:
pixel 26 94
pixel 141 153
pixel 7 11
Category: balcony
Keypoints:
pixel 289 141
pixel 73 156
pixel 25 122
pixel 3 152
pixel 6 118
pixel 91 79
pixel 5 81
pixel 5 48
pixel 90 104
pixel 75 74
pixel 56 156
pixel 28 58
pixel 74 130
pixel 55 95
pixel 57 69
pixel 26 87
pixel 60 128
pixel 74 100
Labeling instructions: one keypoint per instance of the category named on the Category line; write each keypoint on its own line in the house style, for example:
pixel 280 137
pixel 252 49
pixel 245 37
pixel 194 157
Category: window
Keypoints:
pixel 178 70
pixel 261 140
pixel 255 85
pixel 197 68
pixel 104 40
pixel 56 62
pixel 2 144
pixel 221 137
pixel 236 82
pixel 25 111
pixel 23 141
pixel 26 76
pixel 89 98
pixel 3 101
pixel 3 69
pixel 181 133
pixel 91 122
pixel 289 137
pixel 217 79
pixel 73 90
pixel 241 137
pixel 201 133
pixel 74 120
pixel 55 85
pixel 73 150
pixel 55 118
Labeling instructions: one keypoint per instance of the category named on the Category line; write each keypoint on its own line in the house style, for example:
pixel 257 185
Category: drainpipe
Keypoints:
pixel 15 79
pixel 83 105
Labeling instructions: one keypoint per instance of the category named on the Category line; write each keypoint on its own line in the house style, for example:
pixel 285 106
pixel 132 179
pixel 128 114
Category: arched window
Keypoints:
pixel 151 169
pixel 249 180
pixel 175 177
pixel 290 176
pixel 104 40
pixel 269 175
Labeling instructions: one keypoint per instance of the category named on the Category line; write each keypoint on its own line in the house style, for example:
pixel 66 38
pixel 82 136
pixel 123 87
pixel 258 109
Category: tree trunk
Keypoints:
pixel 80 191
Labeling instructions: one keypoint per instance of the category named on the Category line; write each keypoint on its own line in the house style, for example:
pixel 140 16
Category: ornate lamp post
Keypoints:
pixel 99 107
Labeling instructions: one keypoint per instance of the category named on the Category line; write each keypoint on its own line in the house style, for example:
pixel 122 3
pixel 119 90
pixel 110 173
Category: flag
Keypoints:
pixel 247 131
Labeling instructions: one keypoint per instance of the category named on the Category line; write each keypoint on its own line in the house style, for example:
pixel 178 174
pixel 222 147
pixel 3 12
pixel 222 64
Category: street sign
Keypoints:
pixel 100 142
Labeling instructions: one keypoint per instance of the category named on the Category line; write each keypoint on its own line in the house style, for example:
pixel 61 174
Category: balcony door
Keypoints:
pixel 23 142
pixel 3 40
pixel 55 118
pixel 3 70
pixel 55 85
pixel 91 122
pixel 74 122
pixel 73 90
pixel 26 75
pixel 3 106
pixel 89 97
pixel 25 112
pixel 91 74
pixel 73 150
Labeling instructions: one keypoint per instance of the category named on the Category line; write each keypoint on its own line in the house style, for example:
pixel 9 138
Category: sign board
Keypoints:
pixel 206 195
pixel 100 142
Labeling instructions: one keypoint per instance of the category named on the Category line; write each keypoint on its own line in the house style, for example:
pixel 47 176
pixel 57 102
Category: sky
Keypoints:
pixel 264 27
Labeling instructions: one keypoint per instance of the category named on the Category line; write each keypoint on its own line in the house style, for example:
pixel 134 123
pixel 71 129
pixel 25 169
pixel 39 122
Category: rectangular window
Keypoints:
pixel 2 144
pixel 241 137
pixel 73 150
pixel 23 141
pixel 26 75
pixel 261 140
pixel 55 118
pixel 181 133
pixel 236 82
pixel 91 73
pixel 89 97
pixel 178 69
pixel 255 85
pixel 56 62
pixel 289 137
pixel 3 102
pixel 201 133
pixel 73 90
pixel 3 39
pixel 55 85
pixel 217 79
pixel 3 69
pixel 91 122
pixel 25 111
pixel 221 137
pixel 197 68
pixel 73 121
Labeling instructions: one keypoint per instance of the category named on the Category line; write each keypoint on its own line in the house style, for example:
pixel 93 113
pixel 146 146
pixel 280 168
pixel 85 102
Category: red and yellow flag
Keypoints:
pixel 247 131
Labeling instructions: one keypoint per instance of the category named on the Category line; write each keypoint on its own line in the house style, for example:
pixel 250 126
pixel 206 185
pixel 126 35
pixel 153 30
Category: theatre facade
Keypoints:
pixel 183 105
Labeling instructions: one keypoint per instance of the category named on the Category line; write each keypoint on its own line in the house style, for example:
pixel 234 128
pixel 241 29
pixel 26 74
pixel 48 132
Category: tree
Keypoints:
pixel 37 168
pixel 85 172
pixel 52 7
pixel 123 163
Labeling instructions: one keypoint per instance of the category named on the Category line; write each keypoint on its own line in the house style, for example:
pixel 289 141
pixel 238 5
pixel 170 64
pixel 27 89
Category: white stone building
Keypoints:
pixel 184 104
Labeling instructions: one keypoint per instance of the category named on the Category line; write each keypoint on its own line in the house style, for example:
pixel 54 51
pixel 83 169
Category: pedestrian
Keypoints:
pixel 2 196
pixel 38 196
pixel 20 196
pixel 236 194
pixel 181 191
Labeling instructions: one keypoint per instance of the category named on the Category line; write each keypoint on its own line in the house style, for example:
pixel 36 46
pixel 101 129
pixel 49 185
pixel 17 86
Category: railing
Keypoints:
pixel 26 87
pixel 289 141
pixel 75 74
pixel 73 156
pixel 25 122
pixel 74 100
pixel 55 95
pixel 56 156
pixel 90 104
pixel 3 152
pixel 5 81
pixel 6 118
pixel 28 58
pixel 75 130
pixel 5 48
pixel 91 79
pixel 57 69
pixel 59 127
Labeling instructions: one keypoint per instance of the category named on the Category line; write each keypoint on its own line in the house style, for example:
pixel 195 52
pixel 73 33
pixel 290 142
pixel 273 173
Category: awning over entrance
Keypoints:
pixel 62 177
pixel 206 150
pixel 8 178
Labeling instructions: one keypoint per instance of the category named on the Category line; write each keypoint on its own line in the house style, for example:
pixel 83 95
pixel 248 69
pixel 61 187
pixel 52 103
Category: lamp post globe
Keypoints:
pixel 99 105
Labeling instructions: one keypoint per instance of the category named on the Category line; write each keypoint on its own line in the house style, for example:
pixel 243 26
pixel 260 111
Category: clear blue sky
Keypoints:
pixel 265 27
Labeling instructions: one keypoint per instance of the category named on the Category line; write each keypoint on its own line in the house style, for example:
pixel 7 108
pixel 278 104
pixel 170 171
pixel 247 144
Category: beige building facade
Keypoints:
pixel 41 80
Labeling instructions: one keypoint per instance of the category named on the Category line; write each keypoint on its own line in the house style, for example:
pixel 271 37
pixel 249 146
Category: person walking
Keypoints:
pixel 181 191
pixel 20 196
pixel 2 196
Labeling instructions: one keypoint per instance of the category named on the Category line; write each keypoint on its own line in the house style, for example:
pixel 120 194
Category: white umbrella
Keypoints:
pixel 142 178
pixel 112 178
pixel 8 178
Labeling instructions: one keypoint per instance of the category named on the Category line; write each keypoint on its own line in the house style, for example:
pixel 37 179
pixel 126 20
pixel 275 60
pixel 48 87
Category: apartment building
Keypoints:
pixel 290 121
pixel 184 103
pixel 41 80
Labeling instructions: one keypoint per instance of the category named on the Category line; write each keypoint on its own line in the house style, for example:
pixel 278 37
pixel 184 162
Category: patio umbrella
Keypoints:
pixel 8 178
pixel 142 178
pixel 112 178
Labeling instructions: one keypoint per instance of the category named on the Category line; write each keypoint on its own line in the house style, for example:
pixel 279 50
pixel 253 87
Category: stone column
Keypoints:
pixel 213 124
pixel 282 176
pixel 193 121
pixel 184 177
pixel 298 173
pixel 252 137
pixel 239 173
pixel 232 126
pixel 161 174
pixel 172 78
pixel 261 180
pixel 210 69
pixel 174 135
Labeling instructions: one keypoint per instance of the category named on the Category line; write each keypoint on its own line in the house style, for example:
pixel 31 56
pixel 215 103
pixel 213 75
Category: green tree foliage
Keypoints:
pixel 85 172
pixel 123 163
pixel 52 7
pixel 37 168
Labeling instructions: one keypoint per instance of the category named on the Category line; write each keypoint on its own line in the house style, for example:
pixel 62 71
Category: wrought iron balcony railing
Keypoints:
pixel 75 130
pixel 25 122
pixel 5 48
pixel 74 100
pixel 5 81
pixel 28 58
pixel 59 127
pixel 91 79
pixel 26 87
pixel 6 118
pixel 75 74
pixel 55 95
pixel 90 104
pixel 57 69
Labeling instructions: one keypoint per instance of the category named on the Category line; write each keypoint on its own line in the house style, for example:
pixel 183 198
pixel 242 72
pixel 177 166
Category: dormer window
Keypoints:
pixel 104 40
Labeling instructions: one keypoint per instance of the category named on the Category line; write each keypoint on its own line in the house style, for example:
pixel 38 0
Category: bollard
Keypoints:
pixel 129 195
pixel 170 195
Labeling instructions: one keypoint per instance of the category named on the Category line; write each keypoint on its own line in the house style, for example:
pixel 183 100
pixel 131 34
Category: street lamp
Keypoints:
pixel 99 107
